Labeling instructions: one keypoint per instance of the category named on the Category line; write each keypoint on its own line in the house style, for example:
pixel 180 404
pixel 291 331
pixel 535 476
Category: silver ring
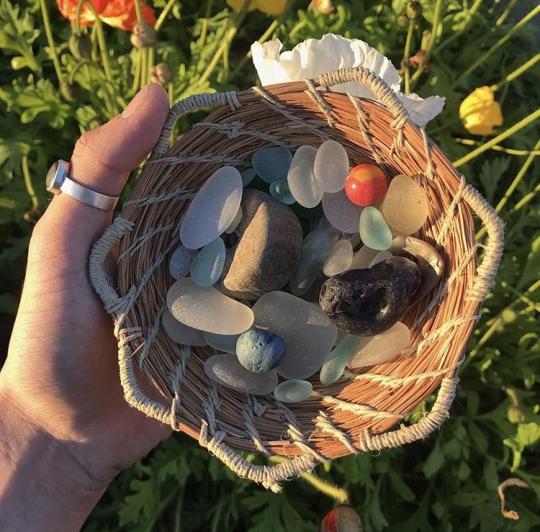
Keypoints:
pixel 58 180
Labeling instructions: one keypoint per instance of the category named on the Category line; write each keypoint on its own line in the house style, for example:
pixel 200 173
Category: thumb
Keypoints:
pixel 102 160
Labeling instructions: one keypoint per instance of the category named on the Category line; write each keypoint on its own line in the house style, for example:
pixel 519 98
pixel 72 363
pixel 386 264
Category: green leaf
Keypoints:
pixel 434 462
pixel 491 173
pixel 273 513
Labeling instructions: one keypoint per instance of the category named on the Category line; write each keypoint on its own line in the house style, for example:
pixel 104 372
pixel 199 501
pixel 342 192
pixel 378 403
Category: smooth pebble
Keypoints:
pixel 280 191
pixel 213 208
pixel 207 309
pixel 340 259
pixel 207 266
pixel 259 350
pixel 331 166
pixel 337 360
pixel 272 164
pixel 315 251
pixel 293 391
pixel 372 350
pixel 248 175
pixel 180 262
pixel 302 183
pixel 340 212
pixel 222 342
pixel 180 333
pixel 405 206
pixel 227 371
pixel 308 334
pixel 373 229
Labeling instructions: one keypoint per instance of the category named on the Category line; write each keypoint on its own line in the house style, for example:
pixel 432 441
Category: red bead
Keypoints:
pixel 366 185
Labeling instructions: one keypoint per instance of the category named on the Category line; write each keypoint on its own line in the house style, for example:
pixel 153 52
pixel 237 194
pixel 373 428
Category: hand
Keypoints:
pixel 59 389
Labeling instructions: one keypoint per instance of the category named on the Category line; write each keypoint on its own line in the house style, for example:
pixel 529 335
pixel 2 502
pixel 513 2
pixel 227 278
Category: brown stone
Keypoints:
pixel 268 249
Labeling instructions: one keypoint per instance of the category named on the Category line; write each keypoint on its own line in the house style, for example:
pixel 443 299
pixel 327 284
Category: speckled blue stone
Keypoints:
pixel 259 350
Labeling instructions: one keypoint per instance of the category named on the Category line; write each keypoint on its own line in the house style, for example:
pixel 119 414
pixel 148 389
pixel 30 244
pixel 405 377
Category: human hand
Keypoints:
pixel 59 389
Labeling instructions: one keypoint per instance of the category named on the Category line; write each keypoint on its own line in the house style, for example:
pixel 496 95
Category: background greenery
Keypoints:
pixel 448 482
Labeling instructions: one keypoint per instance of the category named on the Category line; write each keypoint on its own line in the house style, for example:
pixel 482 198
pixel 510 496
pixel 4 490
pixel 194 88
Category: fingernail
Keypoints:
pixel 135 104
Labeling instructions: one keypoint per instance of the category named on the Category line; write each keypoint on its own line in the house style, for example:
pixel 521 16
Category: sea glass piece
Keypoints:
pixel 227 371
pixel 363 258
pixel 337 360
pixel 315 251
pixel 280 191
pixel 222 342
pixel 207 309
pixel 369 301
pixel 340 258
pixel 235 222
pixel 380 257
pixel 331 166
pixel 366 185
pixel 302 183
pixel 208 264
pixel 308 334
pixel 180 333
pixel 428 259
pixel 272 164
pixel 380 348
pixel 293 391
pixel 373 229
pixel 180 262
pixel 248 175
pixel 213 208
pixel 405 206
pixel 259 350
pixel 340 212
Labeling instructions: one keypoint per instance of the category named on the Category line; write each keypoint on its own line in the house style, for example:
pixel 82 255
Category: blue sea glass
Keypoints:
pixel 280 190
pixel 338 358
pixel 272 164
pixel 208 264
pixel 248 175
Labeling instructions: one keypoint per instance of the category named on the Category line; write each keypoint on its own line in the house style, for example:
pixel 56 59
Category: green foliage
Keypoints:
pixel 448 482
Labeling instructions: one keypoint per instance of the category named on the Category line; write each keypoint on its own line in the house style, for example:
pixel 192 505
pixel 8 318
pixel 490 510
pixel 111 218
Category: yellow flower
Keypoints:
pixel 270 7
pixel 479 112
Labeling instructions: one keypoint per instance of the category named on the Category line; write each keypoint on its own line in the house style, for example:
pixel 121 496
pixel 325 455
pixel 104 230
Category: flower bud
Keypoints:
pixel 426 37
pixel 80 46
pixel 324 7
pixel 143 36
pixel 160 73
pixel 414 10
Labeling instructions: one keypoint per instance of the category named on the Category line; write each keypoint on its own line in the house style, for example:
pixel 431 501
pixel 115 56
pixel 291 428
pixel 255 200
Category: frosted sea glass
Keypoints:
pixel 380 257
pixel 227 371
pixel 308 334
pixel 340 212
pixel 208 264
pixel 373 229
pixel 302 183
pixel 331 166
pixel 272 164
pixel 293 391
pixel 222 342
pixel 180 333
pixel 235 222
pixel 280 191
pixel 213 208
pixel 337 360
pixel 180 262
pixel 207 309
pixel 363 258
pixel 340 258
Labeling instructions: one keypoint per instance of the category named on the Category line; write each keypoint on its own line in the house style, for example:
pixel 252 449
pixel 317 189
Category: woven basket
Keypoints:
pixel 360 412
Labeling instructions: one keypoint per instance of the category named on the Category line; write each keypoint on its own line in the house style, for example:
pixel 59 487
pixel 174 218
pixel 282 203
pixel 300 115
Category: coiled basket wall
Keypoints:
pixel 360 413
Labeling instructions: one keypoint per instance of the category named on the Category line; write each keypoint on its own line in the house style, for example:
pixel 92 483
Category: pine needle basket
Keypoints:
pixel 363 411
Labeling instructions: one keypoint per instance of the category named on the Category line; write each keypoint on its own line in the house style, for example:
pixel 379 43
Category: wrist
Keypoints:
pixel 40 468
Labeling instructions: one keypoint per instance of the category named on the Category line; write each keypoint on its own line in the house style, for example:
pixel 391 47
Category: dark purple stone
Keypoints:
pixel 369 301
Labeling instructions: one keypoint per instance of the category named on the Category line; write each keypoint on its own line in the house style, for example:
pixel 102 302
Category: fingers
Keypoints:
pixel 102 160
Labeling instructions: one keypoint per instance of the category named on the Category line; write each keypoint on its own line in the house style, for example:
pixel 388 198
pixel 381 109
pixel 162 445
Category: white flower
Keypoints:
pixel 318 56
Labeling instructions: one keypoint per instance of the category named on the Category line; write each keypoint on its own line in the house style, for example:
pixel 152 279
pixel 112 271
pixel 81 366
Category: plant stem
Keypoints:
pixel 517 72
pixel 525 199
pixel 334 492
pixel 144 68
pixel 470 15
pixel 506 12
pixel 435 26
pixel 164 14
pixel 28 181
pixel 508 35
pixel 406 56
pixel 50 41
pixel 496 140
pixel 137 73
pixel 509 151
pixel 150 56
pixel 138 11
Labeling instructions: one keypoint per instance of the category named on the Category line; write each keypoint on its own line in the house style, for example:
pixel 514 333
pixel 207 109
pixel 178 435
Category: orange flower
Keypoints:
pixel 117 13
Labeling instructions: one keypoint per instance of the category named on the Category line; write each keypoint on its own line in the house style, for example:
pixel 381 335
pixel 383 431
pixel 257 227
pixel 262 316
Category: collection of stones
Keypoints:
pixel 275 303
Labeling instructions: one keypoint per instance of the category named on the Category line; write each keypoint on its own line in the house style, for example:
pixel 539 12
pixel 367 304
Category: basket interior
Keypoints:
pixel 380 396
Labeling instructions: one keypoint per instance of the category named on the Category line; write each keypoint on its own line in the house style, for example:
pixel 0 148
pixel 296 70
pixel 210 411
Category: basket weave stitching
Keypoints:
pixel 139 340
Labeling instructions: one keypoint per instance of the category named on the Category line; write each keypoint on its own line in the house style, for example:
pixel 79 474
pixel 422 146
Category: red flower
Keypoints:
pixel 117 13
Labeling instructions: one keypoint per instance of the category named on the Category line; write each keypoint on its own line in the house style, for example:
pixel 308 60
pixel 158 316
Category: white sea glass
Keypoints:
pixel 380 257
pixel 331 166
pixel 340 212
pixel 180 333
pixel 305 189
pixel 363 258
pixel 340 258
pixel 235 222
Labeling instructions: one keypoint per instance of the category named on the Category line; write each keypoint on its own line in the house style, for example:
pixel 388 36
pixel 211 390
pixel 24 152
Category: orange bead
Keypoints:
pixel 366 185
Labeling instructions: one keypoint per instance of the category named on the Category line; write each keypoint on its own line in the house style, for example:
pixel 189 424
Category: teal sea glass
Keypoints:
pixel 374 231
pixel 272 164
pixel 208 264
